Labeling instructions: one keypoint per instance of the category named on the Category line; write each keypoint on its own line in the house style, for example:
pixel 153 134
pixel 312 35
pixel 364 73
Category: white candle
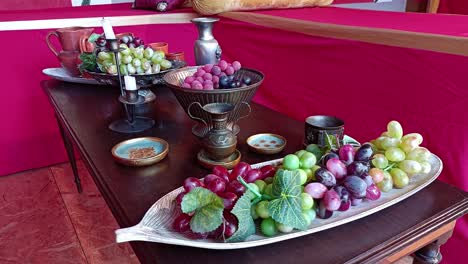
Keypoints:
pixel 130 83
pixel 108 31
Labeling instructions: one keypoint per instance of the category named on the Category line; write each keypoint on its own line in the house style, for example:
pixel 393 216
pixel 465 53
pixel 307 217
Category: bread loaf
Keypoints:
pixel 211 7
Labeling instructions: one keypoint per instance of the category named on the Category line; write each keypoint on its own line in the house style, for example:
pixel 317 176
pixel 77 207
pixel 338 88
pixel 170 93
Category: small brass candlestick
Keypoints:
pixel 129 98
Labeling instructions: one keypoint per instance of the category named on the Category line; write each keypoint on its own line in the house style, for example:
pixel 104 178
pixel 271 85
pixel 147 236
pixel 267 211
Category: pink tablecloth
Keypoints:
pixel 451 25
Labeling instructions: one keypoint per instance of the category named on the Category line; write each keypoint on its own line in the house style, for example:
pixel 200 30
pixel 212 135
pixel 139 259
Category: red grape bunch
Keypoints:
pixel 226 186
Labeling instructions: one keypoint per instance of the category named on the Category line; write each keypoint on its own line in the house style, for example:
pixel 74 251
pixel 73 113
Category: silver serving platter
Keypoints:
pixel 156 224
pixel 62 75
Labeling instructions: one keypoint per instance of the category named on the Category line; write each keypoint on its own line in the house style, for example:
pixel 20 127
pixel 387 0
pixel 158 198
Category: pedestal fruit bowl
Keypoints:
pixel 239 97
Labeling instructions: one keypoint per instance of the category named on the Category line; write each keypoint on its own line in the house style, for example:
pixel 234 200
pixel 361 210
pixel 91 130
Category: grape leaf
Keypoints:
pixel 286 208
pixel 208 208
pixel 246 225
pixel 88 62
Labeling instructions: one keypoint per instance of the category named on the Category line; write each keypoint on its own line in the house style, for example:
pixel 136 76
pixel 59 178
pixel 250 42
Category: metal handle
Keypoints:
pixel 194 117
pixel 219 52
pixel 49 44
pixel 246 115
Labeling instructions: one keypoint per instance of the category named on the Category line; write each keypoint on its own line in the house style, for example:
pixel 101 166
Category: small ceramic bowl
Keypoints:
pixel 121 152
pixel 266 143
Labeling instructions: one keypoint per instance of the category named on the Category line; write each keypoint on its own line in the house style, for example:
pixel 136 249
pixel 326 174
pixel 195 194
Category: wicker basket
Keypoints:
pixel 240 97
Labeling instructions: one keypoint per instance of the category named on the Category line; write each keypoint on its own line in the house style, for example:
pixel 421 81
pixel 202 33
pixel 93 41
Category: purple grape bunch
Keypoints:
pixel 216 76
pixel 343 180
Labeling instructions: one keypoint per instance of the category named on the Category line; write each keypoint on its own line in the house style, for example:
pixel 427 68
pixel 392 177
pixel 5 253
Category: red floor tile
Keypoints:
pixel 34 224
pixel 65 180
pixel 92 219
pixel 95 226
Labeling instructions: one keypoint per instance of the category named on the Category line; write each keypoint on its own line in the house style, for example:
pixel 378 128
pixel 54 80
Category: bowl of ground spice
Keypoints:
pixel 143 151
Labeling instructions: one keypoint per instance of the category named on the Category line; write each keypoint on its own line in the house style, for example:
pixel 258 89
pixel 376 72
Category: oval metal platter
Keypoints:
pixel 156 224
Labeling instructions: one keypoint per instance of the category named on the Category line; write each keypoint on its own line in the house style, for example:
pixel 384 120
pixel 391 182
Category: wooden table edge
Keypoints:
pixel 412 235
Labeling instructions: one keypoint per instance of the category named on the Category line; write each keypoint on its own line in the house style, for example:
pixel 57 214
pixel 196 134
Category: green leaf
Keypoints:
pixel 241 210
pixel 88 62
pixel 286 208
pixel 93 37
pixel 349 140
pixel 208 208
pixel 332 141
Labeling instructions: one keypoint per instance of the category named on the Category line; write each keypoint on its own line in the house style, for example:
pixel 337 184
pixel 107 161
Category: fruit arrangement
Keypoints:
pixel 216 76
pixel 133 56
pixel 314 182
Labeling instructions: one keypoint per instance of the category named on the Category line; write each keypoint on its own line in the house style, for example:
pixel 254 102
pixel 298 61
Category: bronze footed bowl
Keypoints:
pixel 236 96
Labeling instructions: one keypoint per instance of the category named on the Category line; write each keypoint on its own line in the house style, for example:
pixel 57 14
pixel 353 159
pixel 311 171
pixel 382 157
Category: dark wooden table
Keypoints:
pixel 84 112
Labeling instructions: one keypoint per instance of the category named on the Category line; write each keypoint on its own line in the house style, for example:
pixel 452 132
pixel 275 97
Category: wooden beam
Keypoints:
pixel 397 38
pixel 175 18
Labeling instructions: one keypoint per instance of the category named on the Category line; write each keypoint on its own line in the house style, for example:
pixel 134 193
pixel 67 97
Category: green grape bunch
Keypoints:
pixel 133 60
pixel 400 156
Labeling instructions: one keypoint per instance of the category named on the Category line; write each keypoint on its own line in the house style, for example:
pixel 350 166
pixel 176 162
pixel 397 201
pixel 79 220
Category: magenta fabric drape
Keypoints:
pixel 453 7
pixel 366 85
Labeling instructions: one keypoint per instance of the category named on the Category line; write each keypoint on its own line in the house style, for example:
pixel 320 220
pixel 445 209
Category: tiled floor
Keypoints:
pixel 43 219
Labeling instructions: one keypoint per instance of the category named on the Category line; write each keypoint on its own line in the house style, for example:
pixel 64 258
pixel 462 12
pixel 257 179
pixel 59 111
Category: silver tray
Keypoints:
pixel 62 75
pixel 156 224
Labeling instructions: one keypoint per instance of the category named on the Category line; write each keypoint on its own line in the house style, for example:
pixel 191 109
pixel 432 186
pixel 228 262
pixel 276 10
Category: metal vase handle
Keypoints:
pixel 249 110
pixel 195 117
pixel 218 53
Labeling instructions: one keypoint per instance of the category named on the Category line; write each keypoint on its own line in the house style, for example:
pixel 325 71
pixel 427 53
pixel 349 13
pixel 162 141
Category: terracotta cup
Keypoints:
pixel 162 46
pixel 179 56
pixel 70 61
pixel 69 38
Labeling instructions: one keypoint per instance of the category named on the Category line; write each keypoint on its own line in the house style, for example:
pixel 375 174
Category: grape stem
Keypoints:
pixel 257 200
pixel 389 167
pixel 259 196
pixel 247 186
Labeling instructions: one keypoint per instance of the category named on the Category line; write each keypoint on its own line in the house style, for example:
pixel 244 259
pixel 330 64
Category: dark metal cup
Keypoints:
pixel 318 128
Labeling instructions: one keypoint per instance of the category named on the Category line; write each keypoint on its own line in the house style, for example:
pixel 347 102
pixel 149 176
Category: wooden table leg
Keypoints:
pixel 430 254
pixel 432 6
pixel 71 154
pixel 440 235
